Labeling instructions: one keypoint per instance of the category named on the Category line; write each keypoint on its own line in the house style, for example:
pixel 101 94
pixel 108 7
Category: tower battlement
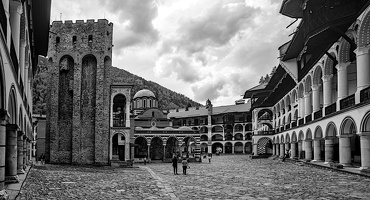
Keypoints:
pixel 69 22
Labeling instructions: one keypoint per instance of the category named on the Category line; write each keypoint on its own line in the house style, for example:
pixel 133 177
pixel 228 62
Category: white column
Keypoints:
pixel 327 89
pixel 299 149
pixel 363 70
pixel 308 149
pixel 273 149
pixel 316 97
pixel 345 150
pixel 300 108
pixel 15 22
pixel 329 150
pixel 308 104
pixel 365 150
pixel 255 151
pixel 316 150
pixel 293 150
pixel 342 80
pixel 127 114
pixel 282 150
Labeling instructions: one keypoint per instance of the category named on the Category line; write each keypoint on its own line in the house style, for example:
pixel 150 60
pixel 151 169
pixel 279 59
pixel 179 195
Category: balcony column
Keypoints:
pixel 316 97
pixel 365 151
pixel 15 23
pixel 3 118
pixel 308 149
pixel 11 154
pixel 316 150
pixel 329 150
pixel 293 150
pixel 282 149
pixel 345 150
pixel 232 148
pixel 363 70
pixel 273 149
pixel 301 108
pixel 342 81
pixel 277 149
pixel 327 89
pixel 308 103
pixel 287 146
pixel 164 151
pixel 20 153
pixel 299 149
pixel 127 148
pixel 127 114
pixel 255 150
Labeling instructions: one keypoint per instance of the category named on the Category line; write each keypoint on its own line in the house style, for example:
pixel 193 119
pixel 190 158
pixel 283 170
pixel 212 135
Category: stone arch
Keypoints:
pixel 141 147
pixel 294 96
pixel 318 132
pixel 203 138
pixel 365 123
pixel 300 90
pixel 248 147
pixel 238 136
pixel 308 134
pixel 118 147
pixel 329 64
pixel 12 106
pixel 300 136
pixel 294 137
pixel 238 128
pixel 203 129
pixel 288 101
pixel 346 50
pixel 282 139
pixel 20 120
pixel 331 130
pixel 308 84
pixel 283 105
pixel 217 129
pixel 238 147
pixel 364 30
pixel 156 148
pixel 348 126
pixel 119 110
pixel 2 85
pixel 317 75
pixel 172 147
pixel 287 138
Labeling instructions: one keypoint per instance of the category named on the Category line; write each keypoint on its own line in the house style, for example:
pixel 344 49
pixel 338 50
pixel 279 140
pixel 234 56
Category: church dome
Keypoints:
pixel 144 93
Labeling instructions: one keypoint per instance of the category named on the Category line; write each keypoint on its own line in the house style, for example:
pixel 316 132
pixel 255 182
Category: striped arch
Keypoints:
pixel 348 126
pixel 331 130
pixel 308 84
pixel 282 139
pixel 263 146
pixel 141 137
pixel 364 30
pixel 317 75
pixel 345 48
pixel 287 138
pixel 365 123
pixel 329 64
pixel 300 135
pixel 12 106
pixel 301 90
pixel 294 96
pixel 308 134
pixel 318 132
pixel 294 137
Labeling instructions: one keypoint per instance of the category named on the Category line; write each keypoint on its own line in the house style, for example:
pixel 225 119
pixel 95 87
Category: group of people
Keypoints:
pixel 184 162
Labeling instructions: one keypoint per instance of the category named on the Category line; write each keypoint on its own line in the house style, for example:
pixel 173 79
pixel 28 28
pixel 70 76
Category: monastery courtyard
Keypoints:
pixel 227 177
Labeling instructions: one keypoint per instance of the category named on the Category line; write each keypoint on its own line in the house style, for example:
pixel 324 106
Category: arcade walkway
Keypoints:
pixel 227 177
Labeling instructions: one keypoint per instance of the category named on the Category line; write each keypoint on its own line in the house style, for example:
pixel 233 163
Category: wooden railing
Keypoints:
pixel 347 102
pixel 317 114
pixel 365 94
pixel 331 109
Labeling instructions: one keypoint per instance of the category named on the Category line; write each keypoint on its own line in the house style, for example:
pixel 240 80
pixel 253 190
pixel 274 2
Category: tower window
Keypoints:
pixel 90 38
pixel 74 39
pixel 57 40
pixel 153 114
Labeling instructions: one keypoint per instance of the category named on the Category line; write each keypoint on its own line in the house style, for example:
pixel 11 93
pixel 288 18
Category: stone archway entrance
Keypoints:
pixel 215 146
pixel 156 149
pixel 118 147
pixel 141 148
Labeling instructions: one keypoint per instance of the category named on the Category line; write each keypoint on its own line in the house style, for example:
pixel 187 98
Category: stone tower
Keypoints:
pixel 77 129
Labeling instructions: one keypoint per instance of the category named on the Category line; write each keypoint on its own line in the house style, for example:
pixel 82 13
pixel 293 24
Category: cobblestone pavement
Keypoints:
pixel 227 177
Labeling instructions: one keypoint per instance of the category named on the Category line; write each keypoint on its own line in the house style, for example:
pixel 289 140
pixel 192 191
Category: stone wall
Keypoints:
pixel 77 129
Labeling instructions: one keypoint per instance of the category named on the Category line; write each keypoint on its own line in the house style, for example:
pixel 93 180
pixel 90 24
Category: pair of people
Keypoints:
pixel 184 163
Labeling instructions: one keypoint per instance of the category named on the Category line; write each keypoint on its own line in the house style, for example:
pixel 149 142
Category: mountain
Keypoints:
pixel 167 99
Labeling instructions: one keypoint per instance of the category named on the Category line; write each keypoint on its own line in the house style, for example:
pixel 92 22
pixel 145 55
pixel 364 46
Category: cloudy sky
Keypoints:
pixel 204 49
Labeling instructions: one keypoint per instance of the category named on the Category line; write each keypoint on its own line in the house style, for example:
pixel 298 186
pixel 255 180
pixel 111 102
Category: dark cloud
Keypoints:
pixel 137 16
pixel 208 91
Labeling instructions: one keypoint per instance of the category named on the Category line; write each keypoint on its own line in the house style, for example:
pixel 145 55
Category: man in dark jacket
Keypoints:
pixel 174 164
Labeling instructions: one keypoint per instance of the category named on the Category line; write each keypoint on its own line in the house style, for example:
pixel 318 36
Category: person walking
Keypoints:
pixel 184 165
pixel 145 160
pixel 174 164
pixel 42 159
pixel 209 157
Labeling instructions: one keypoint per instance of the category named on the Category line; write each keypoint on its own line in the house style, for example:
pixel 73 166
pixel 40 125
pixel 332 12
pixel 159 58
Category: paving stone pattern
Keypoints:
pixel 227 177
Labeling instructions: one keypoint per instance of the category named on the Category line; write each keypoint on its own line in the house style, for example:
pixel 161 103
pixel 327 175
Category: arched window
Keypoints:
pixel 119 108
